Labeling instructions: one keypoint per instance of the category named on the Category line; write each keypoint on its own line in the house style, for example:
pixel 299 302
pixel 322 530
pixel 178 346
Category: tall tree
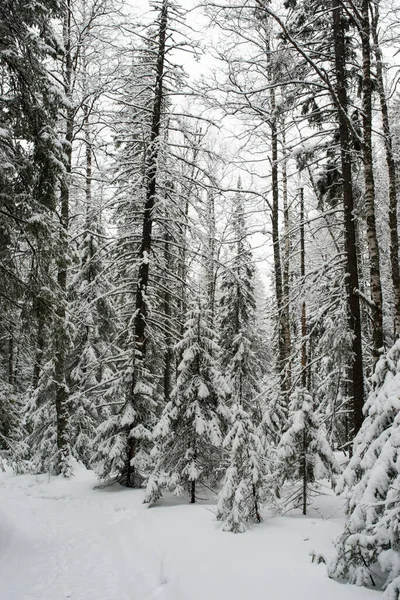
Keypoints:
pixel 31 165
pixel 391 167
pixel 242 490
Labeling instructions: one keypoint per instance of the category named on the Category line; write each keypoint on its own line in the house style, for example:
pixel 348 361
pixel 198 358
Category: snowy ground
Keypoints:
pixel 63 539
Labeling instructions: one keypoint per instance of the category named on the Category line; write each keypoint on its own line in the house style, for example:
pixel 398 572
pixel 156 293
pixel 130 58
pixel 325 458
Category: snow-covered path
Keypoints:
pixel 54 545
pixel 63 539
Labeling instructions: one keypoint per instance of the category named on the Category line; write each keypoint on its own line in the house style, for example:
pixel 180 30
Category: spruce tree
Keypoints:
pixel 122 441
pixel 189 433
pixel 30 172
pixel 242 489
pixel 367 551
pixel 92 359
pixel 304 454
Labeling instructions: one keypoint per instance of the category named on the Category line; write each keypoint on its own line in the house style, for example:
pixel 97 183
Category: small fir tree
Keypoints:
pixel 124 439
pixel 241 494
pixel 368 551
pixel 12 432
pixel 189 433
pixel 92 360
pixel 304 454
pixel 41 424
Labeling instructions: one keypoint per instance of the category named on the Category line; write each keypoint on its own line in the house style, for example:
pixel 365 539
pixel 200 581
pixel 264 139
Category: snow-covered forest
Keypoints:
pixel 199 299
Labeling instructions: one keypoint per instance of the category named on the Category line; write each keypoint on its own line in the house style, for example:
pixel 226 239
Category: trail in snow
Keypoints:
pixel 63 539
pixel 54 545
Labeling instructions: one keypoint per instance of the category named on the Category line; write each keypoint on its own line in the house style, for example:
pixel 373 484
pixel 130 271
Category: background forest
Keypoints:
pixel 199 255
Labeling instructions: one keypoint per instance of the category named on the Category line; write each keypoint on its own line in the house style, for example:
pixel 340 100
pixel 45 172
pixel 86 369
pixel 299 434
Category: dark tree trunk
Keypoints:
pixel 192 492
pixel 356 388
pixel 282 313
pixel 11 359
pixel 210 259
pixel 277 257
pixel 168 354
pixel 151 185
pixel 146 243
pixel 305 470
pixel 303 306
pixel 39 348
pixel 286 265
pixel 62 396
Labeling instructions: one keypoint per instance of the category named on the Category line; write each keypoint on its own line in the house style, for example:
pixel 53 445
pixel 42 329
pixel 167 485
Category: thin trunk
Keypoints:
pixel 184 232
pixel 193 492
pixel 257 515
pixel 151 185
pixel 369 183
pixel 277 257
pixel 391 169
pixel 282 358
pixel 304 466
pixel 168 355
pixel 303 306
pixel 88 199
pixel 39 348
pixel 62 396
pixel 11 359
pixel 146 243
pixel 286 265
pixel 356 388
pixel 210 259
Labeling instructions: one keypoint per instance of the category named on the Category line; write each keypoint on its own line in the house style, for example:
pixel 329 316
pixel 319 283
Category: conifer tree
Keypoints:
pixel 367 550
pixel 242 489
pixel 189 433
pixel 30 172
pixel 92 359
pixel 122 440
pixel 303 454
pixel 242 492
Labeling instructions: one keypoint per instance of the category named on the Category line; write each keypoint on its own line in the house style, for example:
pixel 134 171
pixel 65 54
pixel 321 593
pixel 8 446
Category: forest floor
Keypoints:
pixel 64 539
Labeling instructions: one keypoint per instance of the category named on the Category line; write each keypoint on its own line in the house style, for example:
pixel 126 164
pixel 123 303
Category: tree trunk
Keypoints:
pixel 39 348
pixel 303 306
pixel 168 354
pixel 11 359
pixel 369 183
pixel 62 395
pixel 146 243
pixel 151 184
pixel 192 492
pixel 286 265
pixel 391 169
pixel 356 388
pixel 305 469
pixel 210 259
pixel 282 357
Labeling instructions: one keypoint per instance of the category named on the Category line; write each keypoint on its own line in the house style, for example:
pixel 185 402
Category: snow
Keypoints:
pixel 64 539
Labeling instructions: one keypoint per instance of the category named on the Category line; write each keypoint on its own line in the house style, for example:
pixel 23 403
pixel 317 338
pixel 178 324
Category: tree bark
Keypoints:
pixel 210 259
pixel 146 242
pixel 303 306
pixel 282 357
pixel 369 183
pixel 151 184
pixel 286 264
pixel 305 470
pixel 391 169
pixel 62 395
pixel 356 387
pixel 168 354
